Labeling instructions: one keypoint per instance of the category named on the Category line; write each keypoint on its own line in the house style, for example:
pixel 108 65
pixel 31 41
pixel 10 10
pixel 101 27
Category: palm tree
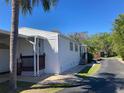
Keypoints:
pixel 25 6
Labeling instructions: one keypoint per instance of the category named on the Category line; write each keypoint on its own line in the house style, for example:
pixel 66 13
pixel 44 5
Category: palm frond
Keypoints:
pixel 26 6
pixel 46 4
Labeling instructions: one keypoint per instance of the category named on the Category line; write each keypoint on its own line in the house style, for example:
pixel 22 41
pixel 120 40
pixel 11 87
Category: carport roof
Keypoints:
pixel 5 34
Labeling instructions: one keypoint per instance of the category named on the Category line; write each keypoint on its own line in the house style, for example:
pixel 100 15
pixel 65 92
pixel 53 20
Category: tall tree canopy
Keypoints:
pixel 101 42
pixel 118 35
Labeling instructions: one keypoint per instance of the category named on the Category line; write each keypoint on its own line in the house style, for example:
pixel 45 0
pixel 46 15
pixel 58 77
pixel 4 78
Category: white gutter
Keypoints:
pixel 34 48
pixel 38 74
pixel 36 52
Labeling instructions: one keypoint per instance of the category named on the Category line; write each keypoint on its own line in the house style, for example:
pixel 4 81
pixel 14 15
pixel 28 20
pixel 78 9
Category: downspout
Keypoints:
pixel 36 58
pixel 38 72
pixel 34 48
pixel 35 52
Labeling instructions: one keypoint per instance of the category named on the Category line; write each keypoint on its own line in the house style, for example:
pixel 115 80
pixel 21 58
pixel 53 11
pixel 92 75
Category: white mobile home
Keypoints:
pixel 40 52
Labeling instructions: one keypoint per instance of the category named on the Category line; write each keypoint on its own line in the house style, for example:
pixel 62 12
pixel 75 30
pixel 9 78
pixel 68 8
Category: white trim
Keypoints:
pixel 34 56
pixel 38 73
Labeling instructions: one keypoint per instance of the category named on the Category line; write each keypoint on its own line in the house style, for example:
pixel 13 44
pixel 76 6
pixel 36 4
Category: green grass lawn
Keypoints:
pixel 89 70
pixel 26 87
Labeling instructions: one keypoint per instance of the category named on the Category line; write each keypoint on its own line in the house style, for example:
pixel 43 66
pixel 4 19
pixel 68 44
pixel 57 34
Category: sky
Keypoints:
pixel 68 16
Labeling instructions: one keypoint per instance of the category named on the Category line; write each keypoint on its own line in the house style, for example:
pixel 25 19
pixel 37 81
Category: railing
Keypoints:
pixel 27 63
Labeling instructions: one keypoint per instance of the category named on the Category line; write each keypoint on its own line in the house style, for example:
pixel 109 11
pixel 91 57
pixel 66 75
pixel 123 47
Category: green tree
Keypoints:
pixel 26 6
pixel 105 42
pixel 118 35
pixel 101 42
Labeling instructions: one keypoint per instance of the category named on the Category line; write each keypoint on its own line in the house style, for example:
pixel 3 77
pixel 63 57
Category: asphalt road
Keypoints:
pixel 110 79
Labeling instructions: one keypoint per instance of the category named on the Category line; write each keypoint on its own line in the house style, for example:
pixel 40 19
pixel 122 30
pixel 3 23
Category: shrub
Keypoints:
pixel 122 55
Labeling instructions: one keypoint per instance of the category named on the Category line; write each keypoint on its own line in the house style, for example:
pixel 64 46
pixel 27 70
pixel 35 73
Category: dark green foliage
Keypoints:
pixel 26 6
pixel 118 36
pixel 102 54
pixel 101 42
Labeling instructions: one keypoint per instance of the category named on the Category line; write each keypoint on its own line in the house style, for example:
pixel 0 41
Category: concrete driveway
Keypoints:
pixel 67 77
pixel 110 79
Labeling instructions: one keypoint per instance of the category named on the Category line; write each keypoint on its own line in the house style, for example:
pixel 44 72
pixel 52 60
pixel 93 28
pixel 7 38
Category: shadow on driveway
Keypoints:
pixel 106 83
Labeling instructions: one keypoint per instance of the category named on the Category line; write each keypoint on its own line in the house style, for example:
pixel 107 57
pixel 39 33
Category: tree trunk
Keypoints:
pixel 13 42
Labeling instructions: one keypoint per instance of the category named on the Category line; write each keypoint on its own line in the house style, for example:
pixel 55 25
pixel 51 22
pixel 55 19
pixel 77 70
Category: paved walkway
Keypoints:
pixel 33 79
pixel 66 77
pixel 74 70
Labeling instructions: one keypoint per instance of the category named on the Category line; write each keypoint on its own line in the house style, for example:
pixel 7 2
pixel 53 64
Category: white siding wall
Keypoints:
pixel 24 47
pixel 51 51
pixel 4 60
pixel 4 57
pixel 50 47
pixel 58 57
pixel 67 58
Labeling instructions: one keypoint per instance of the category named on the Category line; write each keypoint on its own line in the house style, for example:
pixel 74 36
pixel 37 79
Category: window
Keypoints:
pixel 76 47
pixel 71 46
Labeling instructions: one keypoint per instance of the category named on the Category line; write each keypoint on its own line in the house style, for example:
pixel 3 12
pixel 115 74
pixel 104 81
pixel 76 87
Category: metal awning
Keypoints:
pixel 6 34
